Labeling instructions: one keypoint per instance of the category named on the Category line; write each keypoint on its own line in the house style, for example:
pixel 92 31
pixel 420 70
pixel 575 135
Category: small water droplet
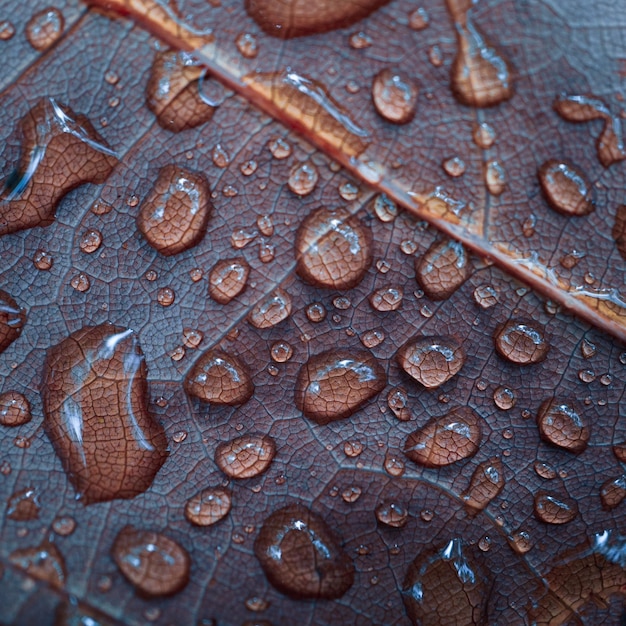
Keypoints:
pixel 586 375
pixel 271 310
pixel 435 56
pixel 281 351
pixel 90 241
pixel 14 409
pixel 392 514
pixel 353 448
pixel 418 19
pixel 208 506
pixel 220 157
pixel 265 225
pixel 495 177
pixel 351 494
pixel 442 269
pixel 227 279
pixel 23 505
pixel 44 28
pixel 544 470
pixel 520 541
pixel 394 95
pixel 166 296
pixel 43 562
pixel 554 509
pixel 7 30
pixel 279 148
pixel 386 210
pixel 485 296
pixel 64 526
pixel 486 483
pixel 393 464
pixel 566 188
pixel 316 312
pixel 521 342
pixel 562 424
pixel 80 282
pixel 247 45
pixel 246 456
pixel 613 492
pixel 360 40
pixel 504 398
pixel 372 338
pixel 484 135
pixel 43 260
pixel 454 166
pixel 303 178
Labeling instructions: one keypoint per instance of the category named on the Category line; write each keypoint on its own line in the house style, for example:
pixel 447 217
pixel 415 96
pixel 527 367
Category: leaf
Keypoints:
pixel 342 470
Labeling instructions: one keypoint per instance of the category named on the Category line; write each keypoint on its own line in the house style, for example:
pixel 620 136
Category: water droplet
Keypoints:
pixel 64 526
pixel 80 282
pixel 587 349
pixel 393 514
pixel 613 492
pixel 397 400
pixel 544 470
pixel 353 448
pixel 372 338
pixel 431 361
pixel 294 18
pixel 301 556
pixel 485 296
pixel 351 494
pixel 480 75
pixel 386 298
pixel 442 269
pixel 14 409
pixel 45 28
pixel 258 605
pixel 266 252
pixel 360 40
pixel 386 210
pixel 166 296
pixel 90 241
pixel 43 562
pixel 23 505
pixel 303 178
pixel 279 148
pixel 587 376
pixel 521 542
pixel 445 586
pixel 348 191
pixel 445 440
pixel 486 483
pixel 484 135
pixel 504 398
pixel 271 310
pixel 175 214
pixel 308 105
pixel 484 543
pixel 435 56
pixel 248 168
pixel 316 312
pixel 265 225
pixel 562 424
pixel 7 30
pixel 393 464
pixel 101 208
pixel 173 92
pixel 247 45
pixel 219 378
pixel 246 456
pixel 54 139
pixel 281 351
pixel 99 373
pixel 528 227
pixel 454 166
pixel 208 506
pixel 220 157
pixel 342 303
pixel 334 384
pixel 418 19
pixel 394 95
pixel 228 279
pixel 606 379
pixel 582 108
pixel 192 338
pixel 495 177
pixel 566 188
pixel 554 509
pixel 333 249
pixel 153 563
pixel 42 260
pixel 521 342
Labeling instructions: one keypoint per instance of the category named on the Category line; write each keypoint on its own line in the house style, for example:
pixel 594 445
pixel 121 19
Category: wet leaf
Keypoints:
pixel 297 258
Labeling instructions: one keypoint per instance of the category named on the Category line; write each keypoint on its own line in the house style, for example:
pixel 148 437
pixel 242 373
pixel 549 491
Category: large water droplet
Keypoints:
pixel 173 92
pixel 246 456
pixel 303 178
pixel 486 483
pixel 44 28
pixel 566 188
pixel 336 383
pixel 295 18
pixel 562 424
pixel 57 143
pixel 228 279
pixel 431 361
pixel 209 506
pixel 98 376
pixel 392 514
pixel 445 587
pixel 504 398
pixel 333 249
pixel 395 96
pixel 301 556
pixel 90 241
pixel 43 562
pixel 219 378
pixel 14 409
pixel 442 269
pixel 554 509
pixel 271 310
pixel 480 75
pixel 521 342
pixel 445 440
pixel 387 298
pixel 153 563
pixel 175 214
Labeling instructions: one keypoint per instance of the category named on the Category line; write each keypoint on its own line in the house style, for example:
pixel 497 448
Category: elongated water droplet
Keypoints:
pixel 247 456
pixel 228 279
pixel 395 96
pixel 45 28
pixel 566 188
pixel 554 509
pixel 271 310
pixel 486 483
pixel 303 178
pixel 613 492
pixel 209 506
pixel 495 177
pixel 392 514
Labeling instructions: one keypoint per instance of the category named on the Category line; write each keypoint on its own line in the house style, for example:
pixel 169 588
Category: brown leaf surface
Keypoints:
pixel 552 49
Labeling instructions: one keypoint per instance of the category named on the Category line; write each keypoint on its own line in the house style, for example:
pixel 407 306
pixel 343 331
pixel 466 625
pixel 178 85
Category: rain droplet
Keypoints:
pixel 372 338
pixel 43 260
pixel 386 298
pixel 348 191
pixel 281 351
pixel 521 542
pixel 435 56
pixel 44 28
pixel 554 509
pixel 504 398
pixel 485 296
pixel 333 249
pixel 342 303
pixel 228 279
pixel 43 562
pixel 562 424
pixel 90 241
pixel 587 349
pixel 246 456
pixel 484 135
pixel 23 505
pixel 64 526
pixel 431 361
pixel 316 312
pixel 454 166
pixel 153 563
pixel 495 177
pixel 386 210
pixel 7 30
pixel 334 384
pixel 99 373
pixel 14 409
pixel 521 342
pixel 395 96
pixel 192 338
pixel 566 188
pixel 219 378
pixel 279 148
pixel 586 376
pixel 418 19
pixel 613 492
pixel 351 494
pixel 393 464
pixel 442 269
pixel 301 556
pixel 271 310
pixel 220 157
pixel 303 178
pixel 486 483
pixel 397 400
pixel 265 225
pixel 208 506
pixel 352 448
pixel 101 208
pixel 392 514
pixel 166 296
pixel 247 45
pixel 360 40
